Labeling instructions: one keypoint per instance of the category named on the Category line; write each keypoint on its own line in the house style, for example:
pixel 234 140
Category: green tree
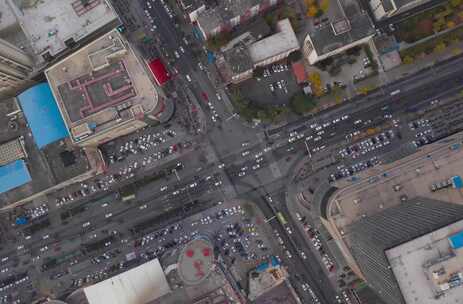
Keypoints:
pixel 301 103
pixel 258 72
pixel 455 3
pixel 440 47
pixel 408 59
pixel 216 42
pixel 295 56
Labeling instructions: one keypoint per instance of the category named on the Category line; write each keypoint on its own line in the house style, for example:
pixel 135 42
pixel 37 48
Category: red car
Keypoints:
pixel 204 95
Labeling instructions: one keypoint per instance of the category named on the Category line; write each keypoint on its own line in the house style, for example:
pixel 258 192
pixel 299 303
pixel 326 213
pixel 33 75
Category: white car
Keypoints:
pixel 163 188
pixel 303 256
pixel 245 153
pixel 288 254
pixel 177 55
pixel 242 173
pixel 218 96
pixel 188 77
pixel 288 229
pixel 108 215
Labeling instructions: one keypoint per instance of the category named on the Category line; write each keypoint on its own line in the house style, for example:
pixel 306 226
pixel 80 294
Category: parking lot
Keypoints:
pixel 276 86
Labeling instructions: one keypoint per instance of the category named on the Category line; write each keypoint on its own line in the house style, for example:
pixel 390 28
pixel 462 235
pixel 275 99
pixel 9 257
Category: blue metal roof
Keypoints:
pixel 42 114
pixel 456 240
pixel 457 182
pixel 13 175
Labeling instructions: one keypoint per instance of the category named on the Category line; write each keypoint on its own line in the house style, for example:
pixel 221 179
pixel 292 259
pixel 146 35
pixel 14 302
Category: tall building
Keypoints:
pixel 347 25
pixel 372 237
pixel 104 91
pixel 227 14
pixel 15 66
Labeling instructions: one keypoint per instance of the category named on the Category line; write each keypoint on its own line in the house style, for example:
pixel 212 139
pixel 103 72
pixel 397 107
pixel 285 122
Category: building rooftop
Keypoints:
pixel 42 114
pixel 196 261
pixel 239 59
pixel 53 25
pixel 347 23
pixel 102 86
pixel 140 285
pixel 13 175
pixel 46 166
pixel 285 39
pixel 427 269
pixel 226 10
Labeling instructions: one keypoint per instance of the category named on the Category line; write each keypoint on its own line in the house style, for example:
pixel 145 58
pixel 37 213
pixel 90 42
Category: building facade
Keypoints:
pixel 15 66
pixel 228 14
pixel 371 236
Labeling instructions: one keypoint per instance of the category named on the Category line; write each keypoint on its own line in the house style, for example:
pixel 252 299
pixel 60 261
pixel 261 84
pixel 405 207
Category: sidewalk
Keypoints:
pixel 386 77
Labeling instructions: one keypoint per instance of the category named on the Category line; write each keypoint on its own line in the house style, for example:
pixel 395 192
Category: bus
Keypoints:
pixel 281 218
pixel 128 197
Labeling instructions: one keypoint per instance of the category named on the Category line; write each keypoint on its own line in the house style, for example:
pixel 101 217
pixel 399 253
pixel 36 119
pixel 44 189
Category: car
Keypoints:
pixel 242 173
pixel 188 77
pixel 303 256
pixel 221 166
pixel 288 254
pixel 255 167
pixel 104 205
pixel 288 229
pixel 218 96
pixel 86 224
pixel 183 50
pixel 163 188
pixel 245 153
pixel 108 215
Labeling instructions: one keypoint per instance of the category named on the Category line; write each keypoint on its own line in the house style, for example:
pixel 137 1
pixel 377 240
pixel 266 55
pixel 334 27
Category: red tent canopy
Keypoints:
pixel 159 71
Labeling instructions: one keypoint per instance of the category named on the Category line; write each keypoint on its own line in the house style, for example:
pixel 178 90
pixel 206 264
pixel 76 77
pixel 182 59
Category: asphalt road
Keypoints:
pixel 223 142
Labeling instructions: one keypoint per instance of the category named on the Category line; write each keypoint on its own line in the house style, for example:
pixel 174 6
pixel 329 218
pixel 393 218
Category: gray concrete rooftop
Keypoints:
pixel 407 262
pixel 50 23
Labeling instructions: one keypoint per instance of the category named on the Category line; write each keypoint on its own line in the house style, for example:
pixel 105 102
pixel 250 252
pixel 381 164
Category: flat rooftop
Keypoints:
pixel 49 166
pixel 285 39
pixel 223 12
pixel 101 86
pixel 414 175
pixel 281 293
pixel 415 265
pixel 51 24
pixel 347 23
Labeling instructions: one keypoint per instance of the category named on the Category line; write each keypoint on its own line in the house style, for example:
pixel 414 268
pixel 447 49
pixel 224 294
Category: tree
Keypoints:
pixel 408 59
pixel 324 5
pixel 450 24
pixel 301 103
pixel 334 70
pixel 312 11
pixel 440 47
pixel 295 56
pixel 314 79
pixel 258 72
pixel 455 3
pixel 216 42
